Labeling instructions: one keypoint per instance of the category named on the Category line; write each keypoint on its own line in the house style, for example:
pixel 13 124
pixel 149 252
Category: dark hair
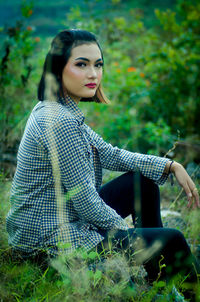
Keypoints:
pixel 56 60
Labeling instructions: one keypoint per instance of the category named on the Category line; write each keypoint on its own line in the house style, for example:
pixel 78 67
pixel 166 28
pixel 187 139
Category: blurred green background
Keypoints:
pixel 151 76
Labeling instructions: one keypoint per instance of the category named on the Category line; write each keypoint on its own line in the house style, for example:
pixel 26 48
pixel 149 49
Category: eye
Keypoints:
pixel 99 65
pixel 81 64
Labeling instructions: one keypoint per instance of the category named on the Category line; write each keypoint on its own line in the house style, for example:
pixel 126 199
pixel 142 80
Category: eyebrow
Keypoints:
pixel 85 59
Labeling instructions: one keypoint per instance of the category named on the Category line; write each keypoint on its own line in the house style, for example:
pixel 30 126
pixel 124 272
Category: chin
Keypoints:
pixel 88 98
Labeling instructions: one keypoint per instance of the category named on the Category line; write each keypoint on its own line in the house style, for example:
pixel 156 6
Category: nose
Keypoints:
pixel 92 73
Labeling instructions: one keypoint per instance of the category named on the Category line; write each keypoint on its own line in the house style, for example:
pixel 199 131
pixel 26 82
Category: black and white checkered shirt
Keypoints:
pixel 54 197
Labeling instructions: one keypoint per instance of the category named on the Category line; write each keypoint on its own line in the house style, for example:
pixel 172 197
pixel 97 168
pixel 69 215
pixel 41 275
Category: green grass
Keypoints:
pixel 27 282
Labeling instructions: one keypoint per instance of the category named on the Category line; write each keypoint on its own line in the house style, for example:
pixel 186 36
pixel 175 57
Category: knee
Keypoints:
pixel 176 233
pixel 176 237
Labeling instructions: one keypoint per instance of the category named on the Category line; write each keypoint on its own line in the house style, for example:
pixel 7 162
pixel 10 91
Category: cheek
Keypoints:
pixel 100 74
pixel 75 73
pixel 70 72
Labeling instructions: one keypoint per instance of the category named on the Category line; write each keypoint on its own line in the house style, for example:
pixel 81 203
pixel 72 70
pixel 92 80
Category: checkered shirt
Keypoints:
pixel 55 203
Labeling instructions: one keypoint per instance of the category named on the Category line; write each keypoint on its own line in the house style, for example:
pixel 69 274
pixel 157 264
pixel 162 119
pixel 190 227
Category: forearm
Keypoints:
pixel 148 165
pixel 94 210
pixel 113 158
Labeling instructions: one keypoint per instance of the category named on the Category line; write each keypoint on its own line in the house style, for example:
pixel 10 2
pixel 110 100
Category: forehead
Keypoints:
pixel 89 51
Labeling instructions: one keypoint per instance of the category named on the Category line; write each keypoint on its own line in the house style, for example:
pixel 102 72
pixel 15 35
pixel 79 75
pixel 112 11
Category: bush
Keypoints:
pixel 16 89
pixel 173 70
pixel 152 77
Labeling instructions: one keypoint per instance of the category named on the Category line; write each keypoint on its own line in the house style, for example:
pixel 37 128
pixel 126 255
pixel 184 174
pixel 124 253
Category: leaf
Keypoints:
pixel 98 274
pixel 92 255
pixel 160 284
pixel 65 245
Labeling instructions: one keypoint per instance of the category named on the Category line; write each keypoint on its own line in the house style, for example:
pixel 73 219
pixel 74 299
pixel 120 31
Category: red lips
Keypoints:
pixel 91 85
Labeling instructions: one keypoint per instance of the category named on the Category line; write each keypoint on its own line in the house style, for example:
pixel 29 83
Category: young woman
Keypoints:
pixel 56 193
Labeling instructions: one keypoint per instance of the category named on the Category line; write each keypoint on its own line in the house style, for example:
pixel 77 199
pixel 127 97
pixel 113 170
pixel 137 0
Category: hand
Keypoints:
pixel 187 184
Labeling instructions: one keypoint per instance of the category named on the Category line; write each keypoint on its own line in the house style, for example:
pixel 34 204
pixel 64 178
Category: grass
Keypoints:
pixel 79 280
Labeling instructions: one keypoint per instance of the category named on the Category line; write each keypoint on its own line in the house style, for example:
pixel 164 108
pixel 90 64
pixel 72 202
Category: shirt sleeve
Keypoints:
pixel 113 158
pixel 69 157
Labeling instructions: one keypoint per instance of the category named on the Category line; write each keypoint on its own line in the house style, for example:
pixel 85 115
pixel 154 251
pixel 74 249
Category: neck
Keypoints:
pixel 75 99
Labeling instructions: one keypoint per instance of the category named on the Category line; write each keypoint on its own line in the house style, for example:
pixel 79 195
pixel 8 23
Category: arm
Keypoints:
pixel 113 158
pixel 153 167
pixel 69 154
pixel 185 182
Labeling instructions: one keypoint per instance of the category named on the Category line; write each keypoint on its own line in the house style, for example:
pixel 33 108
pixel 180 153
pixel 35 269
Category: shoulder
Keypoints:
pixel 51 110
pixel 50 118
pixel 50 114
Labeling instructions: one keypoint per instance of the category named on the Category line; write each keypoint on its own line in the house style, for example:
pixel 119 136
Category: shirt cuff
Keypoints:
pixel 162 177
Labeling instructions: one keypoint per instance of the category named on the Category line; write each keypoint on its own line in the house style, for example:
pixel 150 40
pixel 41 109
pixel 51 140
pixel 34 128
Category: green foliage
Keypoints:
pixel 173 69
pixel 152 77
pixel 123 82
pixel 16 68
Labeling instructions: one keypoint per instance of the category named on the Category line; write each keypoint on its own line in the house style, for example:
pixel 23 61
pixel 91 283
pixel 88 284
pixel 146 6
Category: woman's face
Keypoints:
pixel 82 74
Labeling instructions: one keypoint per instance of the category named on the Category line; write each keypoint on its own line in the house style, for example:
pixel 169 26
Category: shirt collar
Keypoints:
pixel 73 108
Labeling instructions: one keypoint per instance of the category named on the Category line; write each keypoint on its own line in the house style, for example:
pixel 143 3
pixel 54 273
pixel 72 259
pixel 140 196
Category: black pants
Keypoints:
pixel 131 193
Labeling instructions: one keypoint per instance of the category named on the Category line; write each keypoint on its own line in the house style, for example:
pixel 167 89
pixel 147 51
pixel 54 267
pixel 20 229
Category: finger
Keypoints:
pixel 189 194
pixel 195 194
pixel 196 197
pixel 190 200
